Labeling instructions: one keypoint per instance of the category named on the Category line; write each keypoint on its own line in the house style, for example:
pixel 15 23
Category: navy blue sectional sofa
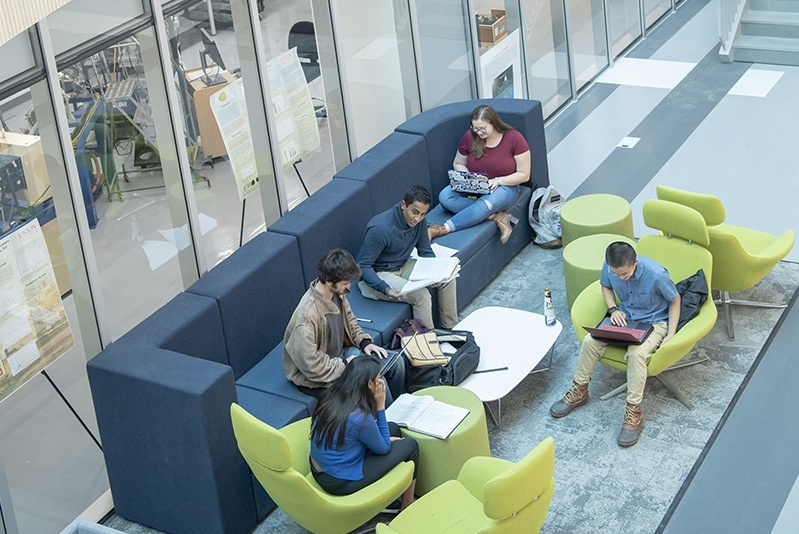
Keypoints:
pixel 162 392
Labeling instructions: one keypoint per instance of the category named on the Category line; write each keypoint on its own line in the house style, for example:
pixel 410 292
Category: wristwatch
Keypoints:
pixel 612 309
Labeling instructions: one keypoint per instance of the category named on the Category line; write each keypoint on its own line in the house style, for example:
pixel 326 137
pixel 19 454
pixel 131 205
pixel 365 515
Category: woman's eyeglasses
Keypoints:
pixel 479 129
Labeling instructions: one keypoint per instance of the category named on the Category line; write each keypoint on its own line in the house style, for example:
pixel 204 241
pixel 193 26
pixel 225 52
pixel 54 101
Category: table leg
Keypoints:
pixel 549 363
pixel 496 418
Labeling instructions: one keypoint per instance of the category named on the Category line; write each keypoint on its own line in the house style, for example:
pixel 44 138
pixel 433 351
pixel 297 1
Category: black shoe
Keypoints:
pixel 393 508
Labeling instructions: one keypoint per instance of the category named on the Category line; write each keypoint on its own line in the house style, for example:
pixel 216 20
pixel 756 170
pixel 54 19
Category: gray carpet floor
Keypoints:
pixel 601 487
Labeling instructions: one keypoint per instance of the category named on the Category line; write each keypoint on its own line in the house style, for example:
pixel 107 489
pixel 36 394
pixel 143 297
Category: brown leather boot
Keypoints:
pixel 502 221
pixel 437 230
pixel 576 396
pixel 632 425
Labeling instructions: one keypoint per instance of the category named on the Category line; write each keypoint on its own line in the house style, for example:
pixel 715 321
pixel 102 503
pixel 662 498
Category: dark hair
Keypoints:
pixel 485 113
pixel 350 392
pixel 619 254
pixel 338 265
pixel 417 193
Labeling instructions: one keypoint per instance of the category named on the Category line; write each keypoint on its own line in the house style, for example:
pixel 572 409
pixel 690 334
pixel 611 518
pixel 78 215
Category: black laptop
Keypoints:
pixel 633 334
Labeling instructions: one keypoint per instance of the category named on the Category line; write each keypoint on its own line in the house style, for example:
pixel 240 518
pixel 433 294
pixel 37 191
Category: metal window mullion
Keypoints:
pixel 475 42
pixel 171 129
pixel 68 197
pixel 608 44
pixel 252 56
pixel 642 17
pixel 569 51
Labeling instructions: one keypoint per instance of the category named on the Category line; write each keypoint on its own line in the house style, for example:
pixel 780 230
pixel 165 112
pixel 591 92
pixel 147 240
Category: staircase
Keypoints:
pixel 768 33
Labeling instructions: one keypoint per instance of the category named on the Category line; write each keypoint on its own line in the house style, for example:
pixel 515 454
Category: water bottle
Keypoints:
pixel 549 308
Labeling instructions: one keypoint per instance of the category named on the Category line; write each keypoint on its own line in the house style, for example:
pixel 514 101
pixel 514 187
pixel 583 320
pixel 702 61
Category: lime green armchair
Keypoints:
pixel 279 460
pixel 678 249
pixel 490 496
pixel 742 257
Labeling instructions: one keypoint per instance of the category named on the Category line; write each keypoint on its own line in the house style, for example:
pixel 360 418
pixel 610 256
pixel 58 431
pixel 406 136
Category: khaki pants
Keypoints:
pixel 419 299
pixel 637 357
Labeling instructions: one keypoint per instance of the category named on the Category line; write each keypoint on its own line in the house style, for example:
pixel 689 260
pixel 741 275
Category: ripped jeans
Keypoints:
pixel 469 212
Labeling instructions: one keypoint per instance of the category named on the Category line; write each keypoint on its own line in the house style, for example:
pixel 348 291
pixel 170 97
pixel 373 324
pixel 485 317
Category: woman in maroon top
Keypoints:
pixel 496 149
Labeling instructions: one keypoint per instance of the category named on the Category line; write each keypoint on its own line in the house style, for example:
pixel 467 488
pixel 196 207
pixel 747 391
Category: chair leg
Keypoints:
pixel 668 384
pixel 726 302
pixel 621 389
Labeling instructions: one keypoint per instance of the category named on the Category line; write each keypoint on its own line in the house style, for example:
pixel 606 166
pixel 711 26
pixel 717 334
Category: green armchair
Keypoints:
pixel 279 460
pixel 490 495
pixel 678 249
pixel 742 257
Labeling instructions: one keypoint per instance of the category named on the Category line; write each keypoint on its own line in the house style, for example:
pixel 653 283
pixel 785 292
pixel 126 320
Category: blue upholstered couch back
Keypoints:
pixel 162 392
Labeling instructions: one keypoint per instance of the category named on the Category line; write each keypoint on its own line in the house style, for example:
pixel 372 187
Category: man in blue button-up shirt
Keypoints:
pixel 647 294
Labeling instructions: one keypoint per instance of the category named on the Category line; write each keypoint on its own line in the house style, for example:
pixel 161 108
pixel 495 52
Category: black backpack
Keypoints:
pixel 460 366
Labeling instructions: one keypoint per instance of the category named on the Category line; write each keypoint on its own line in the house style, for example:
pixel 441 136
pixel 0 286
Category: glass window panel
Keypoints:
pixel 17 56
pixel 546 53
pixel 81 20
pixel 379 82
pixel 203 64
pixel 587 33
pixel 500 68
pixel 287 25
pixel 444 52
pixel 655 9
pixel 624 22
pixel 138 225
pixel 53 468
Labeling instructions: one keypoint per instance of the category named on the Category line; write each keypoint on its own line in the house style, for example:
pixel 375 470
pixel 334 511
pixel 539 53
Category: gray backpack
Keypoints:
pixel 544 216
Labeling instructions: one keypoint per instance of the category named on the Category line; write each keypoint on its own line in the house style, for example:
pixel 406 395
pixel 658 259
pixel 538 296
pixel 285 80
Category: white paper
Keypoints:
pixel 439 250
pixel 25 356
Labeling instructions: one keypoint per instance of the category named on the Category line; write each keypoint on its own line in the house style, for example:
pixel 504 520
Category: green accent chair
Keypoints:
pixel 490 496
pixel 742 257
pixel 583 259
pixel 679 249
pixel 279 459
pixel 598 213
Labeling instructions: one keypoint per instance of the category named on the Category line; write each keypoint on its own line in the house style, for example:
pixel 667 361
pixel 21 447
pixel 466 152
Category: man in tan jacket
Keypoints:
pixel 323 334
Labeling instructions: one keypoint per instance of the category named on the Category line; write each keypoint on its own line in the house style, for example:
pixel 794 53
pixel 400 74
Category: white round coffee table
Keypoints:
pixel 512 343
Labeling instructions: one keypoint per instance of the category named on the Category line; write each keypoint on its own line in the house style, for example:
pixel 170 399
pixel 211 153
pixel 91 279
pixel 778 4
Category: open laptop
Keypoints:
pixel 393 356
pixel 473 183
pixel 633 334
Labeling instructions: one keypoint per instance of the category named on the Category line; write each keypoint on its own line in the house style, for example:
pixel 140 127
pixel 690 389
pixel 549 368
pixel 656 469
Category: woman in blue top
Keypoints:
pixel 352 444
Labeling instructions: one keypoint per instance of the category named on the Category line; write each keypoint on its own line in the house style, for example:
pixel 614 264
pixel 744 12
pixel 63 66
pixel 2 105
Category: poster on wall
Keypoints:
pixel 297 131
pixel 230 111
pixel 501 69
pixel 34 330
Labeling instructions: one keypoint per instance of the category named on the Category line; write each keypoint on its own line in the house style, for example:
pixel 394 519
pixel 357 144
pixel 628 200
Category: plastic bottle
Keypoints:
pixel 549 308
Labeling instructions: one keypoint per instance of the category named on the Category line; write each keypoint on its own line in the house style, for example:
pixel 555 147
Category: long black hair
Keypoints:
pixel 488 114
pixel 351 391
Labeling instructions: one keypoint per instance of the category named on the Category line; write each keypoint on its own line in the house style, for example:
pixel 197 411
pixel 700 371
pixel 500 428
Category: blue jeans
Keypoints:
pixel 469 212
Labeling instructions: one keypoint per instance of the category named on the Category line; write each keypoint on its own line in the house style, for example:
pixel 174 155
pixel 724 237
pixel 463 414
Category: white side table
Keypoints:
pixel 512 343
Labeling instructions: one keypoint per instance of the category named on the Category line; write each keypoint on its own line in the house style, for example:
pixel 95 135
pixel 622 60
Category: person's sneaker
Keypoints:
pixel 576 396
pixel 393 508
pixel 632 425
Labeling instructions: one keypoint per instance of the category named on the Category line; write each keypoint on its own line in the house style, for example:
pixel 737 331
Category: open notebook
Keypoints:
pixel 424 414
